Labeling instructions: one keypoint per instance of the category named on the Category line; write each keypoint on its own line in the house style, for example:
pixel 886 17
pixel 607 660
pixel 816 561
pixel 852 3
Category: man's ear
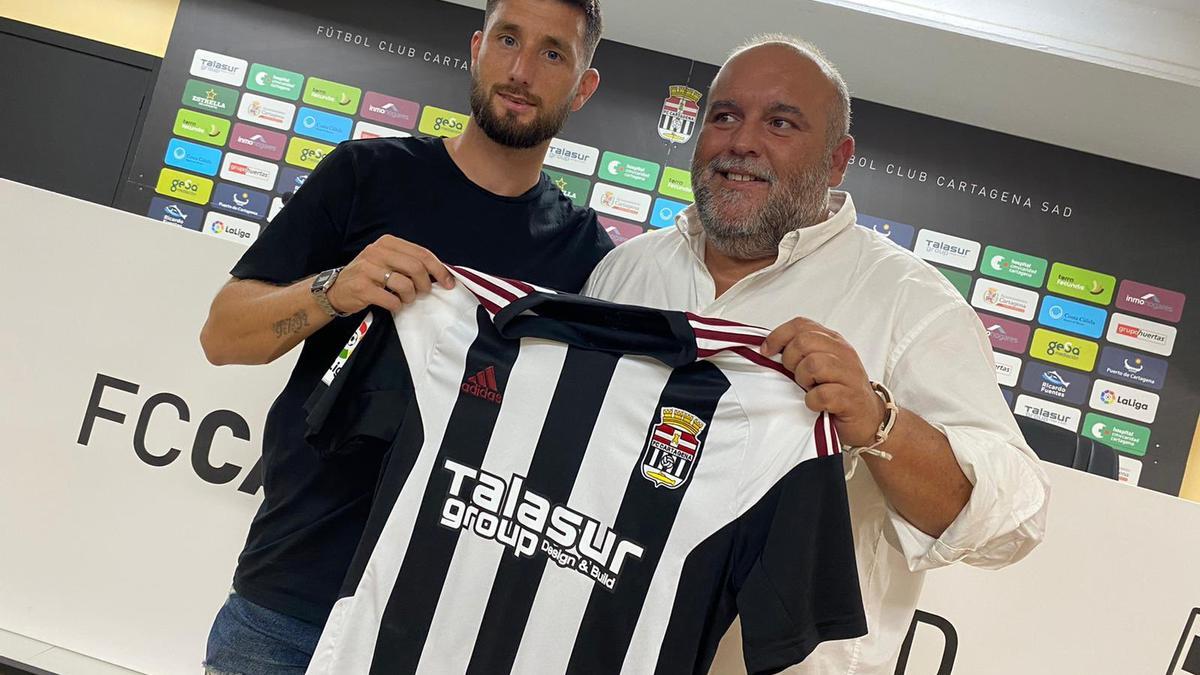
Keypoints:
pixel 842 153
pixel 587 86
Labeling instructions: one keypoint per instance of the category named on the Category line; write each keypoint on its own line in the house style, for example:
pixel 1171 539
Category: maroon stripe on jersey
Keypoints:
pixel 822 442
pixel 710 321
pixel 752 340
pixel 526 288
pixel 749 355
pixel 486 283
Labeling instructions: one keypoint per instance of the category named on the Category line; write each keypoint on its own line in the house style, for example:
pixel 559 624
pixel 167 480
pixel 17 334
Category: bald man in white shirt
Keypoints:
pixel 859 321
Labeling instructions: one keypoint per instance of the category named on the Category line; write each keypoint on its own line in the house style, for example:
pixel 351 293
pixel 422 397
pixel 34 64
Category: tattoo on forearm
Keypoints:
pixel 292 324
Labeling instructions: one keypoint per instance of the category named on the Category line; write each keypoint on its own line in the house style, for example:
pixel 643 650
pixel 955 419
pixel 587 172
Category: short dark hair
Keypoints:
pixel 593 25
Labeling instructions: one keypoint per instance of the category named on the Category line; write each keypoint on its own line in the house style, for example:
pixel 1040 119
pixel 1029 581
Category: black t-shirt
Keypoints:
pixel 314 510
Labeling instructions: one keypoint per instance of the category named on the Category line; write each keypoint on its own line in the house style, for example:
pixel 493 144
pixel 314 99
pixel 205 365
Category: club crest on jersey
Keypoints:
pixel 674 448
pixel 351 345
pixel 679 113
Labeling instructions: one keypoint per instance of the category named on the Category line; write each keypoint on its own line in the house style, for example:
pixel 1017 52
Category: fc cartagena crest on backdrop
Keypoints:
pixel 674 448
pixel 680 111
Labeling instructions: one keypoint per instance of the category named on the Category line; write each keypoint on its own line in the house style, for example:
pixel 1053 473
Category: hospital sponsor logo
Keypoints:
pixel 257 141
pixel 1119 399
pixel 1132 368
pixel 397 112
pixel 218 67
pixel 620 202
pixel 209 97
pixel 995 296
pixel 1117 434
pixel 1007 369
pixel 1144 334
pixel 1064 350
pixel 222 226
pixel 626 170
pixel 1151 301
pixel 1053 382
pixel 946 249
pixel 266 111
pixel 249 171
pixel 274 81
pixel 574 157
pixel 1048 411
pixel 1019 268
pixel 1004 334
pixel 503 510
pixel 1081 284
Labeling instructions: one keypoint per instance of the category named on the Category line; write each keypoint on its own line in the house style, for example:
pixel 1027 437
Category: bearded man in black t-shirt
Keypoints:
pixel 373 225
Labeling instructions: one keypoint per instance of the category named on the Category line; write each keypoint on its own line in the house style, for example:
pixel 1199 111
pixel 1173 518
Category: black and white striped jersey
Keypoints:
pixel 575 486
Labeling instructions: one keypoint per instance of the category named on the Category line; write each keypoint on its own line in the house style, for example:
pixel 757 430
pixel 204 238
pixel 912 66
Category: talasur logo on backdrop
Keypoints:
pixel 679 113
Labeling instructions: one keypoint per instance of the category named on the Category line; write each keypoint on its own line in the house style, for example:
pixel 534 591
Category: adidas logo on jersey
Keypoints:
pixel 483 385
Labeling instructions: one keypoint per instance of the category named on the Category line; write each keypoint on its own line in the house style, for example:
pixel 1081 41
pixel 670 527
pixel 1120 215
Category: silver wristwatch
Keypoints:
pixel 320 287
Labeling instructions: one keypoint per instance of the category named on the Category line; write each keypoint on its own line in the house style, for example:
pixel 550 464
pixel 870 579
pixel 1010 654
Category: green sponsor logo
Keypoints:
pixel 1065 350
pixel 210 97
pixel 572 187
pixel 331 95
pixel 1077 282
pixel 1013 266
pixel 628 170
pixel 961 281
pixel 440 122
pixel 277 82
pixel 676 183
pixel 305 153
pixel 185 186
pixel 200 127
pixel 1118 434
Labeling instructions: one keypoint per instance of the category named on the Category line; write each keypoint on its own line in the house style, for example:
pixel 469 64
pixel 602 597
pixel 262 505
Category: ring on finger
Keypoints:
pixel 387 276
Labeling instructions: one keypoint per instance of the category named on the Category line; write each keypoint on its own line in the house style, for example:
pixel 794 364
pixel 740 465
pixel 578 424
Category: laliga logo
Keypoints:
pixel 1108 397
pixel 217 227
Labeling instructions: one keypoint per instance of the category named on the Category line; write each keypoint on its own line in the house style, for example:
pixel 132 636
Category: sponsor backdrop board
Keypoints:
pixel 1078 265
pixel 129 476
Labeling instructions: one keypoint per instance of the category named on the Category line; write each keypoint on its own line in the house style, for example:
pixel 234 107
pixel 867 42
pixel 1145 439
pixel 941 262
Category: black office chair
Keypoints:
pixel 1066 448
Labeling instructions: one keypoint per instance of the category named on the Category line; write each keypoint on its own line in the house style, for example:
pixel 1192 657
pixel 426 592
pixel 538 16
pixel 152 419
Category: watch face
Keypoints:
pixel 322 280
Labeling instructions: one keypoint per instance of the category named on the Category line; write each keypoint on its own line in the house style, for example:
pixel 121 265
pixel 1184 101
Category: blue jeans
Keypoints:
pixel 249 639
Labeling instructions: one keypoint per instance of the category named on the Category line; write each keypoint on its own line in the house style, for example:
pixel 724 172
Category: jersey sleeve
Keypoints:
pixel 361 399
pixel 307 236
pixel 797 582
pixel 359 402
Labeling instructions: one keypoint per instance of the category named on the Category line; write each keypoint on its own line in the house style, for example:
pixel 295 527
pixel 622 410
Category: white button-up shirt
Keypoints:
pixel 914 333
